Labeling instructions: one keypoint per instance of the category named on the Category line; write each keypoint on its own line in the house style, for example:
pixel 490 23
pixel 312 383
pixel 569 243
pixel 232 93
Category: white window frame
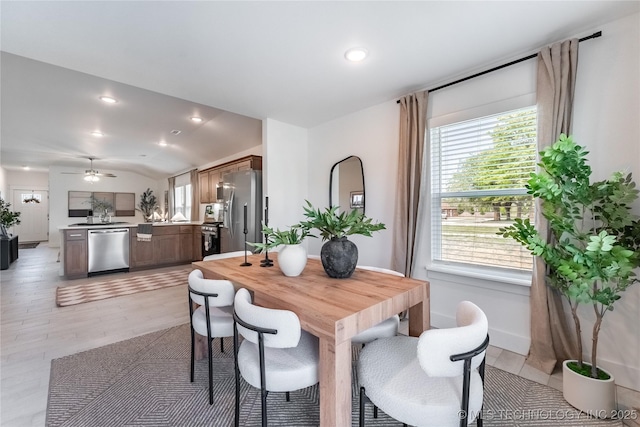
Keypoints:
pixel 467 273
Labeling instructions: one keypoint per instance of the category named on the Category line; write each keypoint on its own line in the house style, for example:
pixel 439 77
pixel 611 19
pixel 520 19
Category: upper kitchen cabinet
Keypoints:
pixel 210 179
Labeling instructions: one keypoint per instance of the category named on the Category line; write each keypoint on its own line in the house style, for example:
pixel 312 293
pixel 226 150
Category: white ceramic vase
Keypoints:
pixel 594 397
pixel 292 259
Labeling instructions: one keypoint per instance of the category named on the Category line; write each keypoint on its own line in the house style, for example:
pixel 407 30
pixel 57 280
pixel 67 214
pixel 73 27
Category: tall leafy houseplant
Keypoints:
pixel 593 248
pixel 8 217
pixel 339 255
pixel 148 204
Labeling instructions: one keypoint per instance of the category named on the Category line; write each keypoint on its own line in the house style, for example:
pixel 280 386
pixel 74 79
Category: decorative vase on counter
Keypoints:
pixel 339 257
pixel 292 259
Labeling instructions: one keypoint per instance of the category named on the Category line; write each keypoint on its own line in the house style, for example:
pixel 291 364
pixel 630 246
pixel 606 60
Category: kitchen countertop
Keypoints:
pixel 123 225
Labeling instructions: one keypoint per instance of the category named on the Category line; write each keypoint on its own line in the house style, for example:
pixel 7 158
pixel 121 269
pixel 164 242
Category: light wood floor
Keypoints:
pixel 34 331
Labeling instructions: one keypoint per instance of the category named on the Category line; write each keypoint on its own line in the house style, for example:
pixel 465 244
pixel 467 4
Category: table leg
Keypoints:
pixel 419 318
pixel 335 384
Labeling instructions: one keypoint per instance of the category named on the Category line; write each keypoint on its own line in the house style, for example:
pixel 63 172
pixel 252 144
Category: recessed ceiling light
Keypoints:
pixel 26 168
pixel 108 99
pixel 162 143
pixel 97 133
pixel 356 54
pixel 196 119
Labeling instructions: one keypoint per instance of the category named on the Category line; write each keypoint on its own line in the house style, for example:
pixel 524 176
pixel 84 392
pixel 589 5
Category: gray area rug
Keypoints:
pixel 144 381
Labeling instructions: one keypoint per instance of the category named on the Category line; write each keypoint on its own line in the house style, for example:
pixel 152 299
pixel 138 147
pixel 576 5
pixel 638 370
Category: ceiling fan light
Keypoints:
pixel 91 178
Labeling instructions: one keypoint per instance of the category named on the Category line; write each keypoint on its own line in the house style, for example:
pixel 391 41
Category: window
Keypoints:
pixel 182 198
pixel 479 169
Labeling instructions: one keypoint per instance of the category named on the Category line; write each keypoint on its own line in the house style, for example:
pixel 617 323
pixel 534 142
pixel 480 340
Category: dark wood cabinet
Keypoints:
pixel 209 179
pixel 75 254
pixel 197 243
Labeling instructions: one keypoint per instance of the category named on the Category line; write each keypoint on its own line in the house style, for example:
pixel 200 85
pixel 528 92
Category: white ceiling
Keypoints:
pixel 234 62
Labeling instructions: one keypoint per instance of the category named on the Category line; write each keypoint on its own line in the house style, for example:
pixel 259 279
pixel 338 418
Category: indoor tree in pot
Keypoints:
pixel 8 218
pixel 338 254
pixel 292 257
pixel 591 255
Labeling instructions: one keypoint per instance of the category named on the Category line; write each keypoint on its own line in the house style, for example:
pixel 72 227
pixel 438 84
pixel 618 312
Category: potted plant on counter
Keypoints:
pixel 148 205
pixel 339 255
pixel 292 257
pixel 591 254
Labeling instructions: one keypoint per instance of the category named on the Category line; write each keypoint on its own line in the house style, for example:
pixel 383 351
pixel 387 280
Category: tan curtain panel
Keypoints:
pixel 195 193
pixel 172 195
pixel 413 118
pixel 551 339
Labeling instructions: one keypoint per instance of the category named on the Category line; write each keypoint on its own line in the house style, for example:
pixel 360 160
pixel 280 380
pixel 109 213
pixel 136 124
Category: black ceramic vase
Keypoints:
pixel 339 257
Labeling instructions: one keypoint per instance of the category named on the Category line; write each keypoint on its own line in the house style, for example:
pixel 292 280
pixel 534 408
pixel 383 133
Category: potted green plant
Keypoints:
pixel 338 254
pixel 148 204
pixel 292 257
pixel 591 254
pixel 100 207
pixel 8 218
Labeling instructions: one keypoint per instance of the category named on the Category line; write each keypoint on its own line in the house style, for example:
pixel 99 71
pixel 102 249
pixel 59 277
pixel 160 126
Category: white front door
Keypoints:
pixel 34 215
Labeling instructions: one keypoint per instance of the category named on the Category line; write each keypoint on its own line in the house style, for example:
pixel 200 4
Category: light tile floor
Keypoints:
pixel 33 331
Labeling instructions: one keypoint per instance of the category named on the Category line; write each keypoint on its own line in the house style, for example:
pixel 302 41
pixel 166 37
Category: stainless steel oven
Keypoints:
pixel 210 239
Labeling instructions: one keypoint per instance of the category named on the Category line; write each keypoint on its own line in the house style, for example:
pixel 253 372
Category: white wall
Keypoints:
pixel 4 188
pixel 285 171
pixel 606 121
pixel 372 135
pixel 60 184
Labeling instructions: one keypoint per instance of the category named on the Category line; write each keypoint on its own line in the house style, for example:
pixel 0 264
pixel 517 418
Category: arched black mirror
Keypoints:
pixel 346 185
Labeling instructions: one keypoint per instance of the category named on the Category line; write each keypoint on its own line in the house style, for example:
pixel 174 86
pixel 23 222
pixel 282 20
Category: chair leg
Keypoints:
pixel 222 344
pixel 193 345
pixel 362 397
pixel 237 375
pixel 210 373
pixel 287 396
pixel 375 411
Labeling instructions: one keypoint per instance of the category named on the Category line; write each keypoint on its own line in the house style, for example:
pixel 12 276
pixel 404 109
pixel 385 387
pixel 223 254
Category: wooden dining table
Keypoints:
pixel 334 310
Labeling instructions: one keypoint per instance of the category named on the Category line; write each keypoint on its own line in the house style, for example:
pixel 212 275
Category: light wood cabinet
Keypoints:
pixel 75 254
pixel 209 179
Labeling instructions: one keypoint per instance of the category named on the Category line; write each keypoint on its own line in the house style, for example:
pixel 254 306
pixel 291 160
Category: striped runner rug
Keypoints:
pixel 144 381
pixel 124 285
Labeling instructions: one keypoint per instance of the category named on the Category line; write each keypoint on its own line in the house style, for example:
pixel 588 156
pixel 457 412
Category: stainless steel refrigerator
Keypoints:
pixel 240 189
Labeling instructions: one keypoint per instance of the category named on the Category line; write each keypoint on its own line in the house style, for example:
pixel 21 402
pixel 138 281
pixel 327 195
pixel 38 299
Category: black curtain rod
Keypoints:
pixel 508 64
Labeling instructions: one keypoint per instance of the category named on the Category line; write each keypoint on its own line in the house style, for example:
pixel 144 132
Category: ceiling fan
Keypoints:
pixel 92 175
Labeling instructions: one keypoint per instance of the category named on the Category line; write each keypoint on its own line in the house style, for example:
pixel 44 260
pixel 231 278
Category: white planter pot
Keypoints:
pixel 292 259
pixel 594 397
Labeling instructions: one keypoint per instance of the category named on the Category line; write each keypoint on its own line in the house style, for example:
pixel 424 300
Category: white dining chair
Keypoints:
pixel 213 318
pixel 276 355
pixel 226 255
pixel 386 328
pixel 434 380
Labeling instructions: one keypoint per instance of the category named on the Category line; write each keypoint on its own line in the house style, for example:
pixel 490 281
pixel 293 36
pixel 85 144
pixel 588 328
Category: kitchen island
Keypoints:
pixel 170 244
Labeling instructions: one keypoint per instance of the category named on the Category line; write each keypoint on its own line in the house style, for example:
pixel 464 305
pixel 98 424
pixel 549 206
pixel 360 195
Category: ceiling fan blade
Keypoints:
pixel 72 173
pixel 106 175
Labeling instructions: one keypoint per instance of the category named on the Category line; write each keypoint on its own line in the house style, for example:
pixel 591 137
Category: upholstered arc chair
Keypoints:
pixel 385 329
pixel 434 380
pixel 214 316
pixel 276 355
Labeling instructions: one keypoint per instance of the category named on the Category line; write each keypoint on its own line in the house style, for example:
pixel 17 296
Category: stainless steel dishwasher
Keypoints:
pixel 108 249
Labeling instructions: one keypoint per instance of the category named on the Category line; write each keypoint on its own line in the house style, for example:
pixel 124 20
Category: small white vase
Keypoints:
pixel 292 259
pixel 594 397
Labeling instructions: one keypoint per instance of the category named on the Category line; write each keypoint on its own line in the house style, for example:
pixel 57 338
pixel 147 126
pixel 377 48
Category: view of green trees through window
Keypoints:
pixel 479 170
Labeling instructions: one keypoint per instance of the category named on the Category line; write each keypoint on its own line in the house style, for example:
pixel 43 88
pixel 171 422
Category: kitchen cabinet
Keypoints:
pixel 185 246
pixel 210 178
pixel 125 204
pixel 197 243
pixel 141 253
pixel 75 254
